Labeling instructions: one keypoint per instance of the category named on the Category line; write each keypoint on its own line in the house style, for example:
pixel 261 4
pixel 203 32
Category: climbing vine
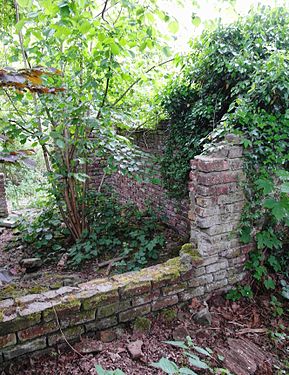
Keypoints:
pixel 236 79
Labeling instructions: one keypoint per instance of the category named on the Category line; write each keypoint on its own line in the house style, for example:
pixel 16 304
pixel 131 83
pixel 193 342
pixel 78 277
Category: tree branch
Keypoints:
pixel 104 10
pixel 137 81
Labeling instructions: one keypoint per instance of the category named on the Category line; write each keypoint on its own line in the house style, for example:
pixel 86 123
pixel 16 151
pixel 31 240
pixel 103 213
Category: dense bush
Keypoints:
pixel 235 75
pixel 115 231
pixel 236 79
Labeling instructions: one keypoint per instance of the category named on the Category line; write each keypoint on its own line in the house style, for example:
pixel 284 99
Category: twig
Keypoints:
pixel 101 182
pixel 103 10
pixel 65 339
pixel 137 81
pixel 108 262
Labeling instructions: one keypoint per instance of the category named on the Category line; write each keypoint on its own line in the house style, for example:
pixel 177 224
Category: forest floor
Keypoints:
pixel 56 273
pixel 249 322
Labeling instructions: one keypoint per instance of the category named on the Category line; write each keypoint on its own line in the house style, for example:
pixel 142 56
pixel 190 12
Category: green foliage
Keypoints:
pixel 103 51
pixel 237 80
pixel 236 77
pixel 119 229
pixel 239 292
pixel 100 371
pixel 199 358
pixel 115 231
pixel 45 233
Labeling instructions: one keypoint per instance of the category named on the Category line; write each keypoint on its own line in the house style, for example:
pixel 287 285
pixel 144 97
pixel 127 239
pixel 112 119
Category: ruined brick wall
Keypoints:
pixel 3 201
pixel 212 262
pixel 217 200
pixel 32 323
pixel 147 190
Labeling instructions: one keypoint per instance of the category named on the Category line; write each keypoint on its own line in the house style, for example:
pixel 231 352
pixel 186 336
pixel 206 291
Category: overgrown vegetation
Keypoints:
pixel 116 231
pixel 236 80
pixel 96 54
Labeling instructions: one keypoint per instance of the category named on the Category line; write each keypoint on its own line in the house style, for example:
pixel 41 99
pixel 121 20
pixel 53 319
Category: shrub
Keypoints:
pixel 115 230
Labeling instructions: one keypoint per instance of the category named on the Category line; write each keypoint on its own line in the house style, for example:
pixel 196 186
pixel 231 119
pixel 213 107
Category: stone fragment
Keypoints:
pixel 135 349
pixel 31 264
pixel 108 335
pixel 21 349
pixel 88 346
pixel 243 357
pixel 203 316
pixel 5 276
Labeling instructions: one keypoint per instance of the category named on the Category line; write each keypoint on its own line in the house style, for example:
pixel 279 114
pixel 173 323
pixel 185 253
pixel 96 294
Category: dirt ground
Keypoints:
pixel 251 321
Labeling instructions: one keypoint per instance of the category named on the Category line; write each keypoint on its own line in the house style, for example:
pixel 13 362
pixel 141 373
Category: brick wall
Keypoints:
pixel 142 191
pixel 3 201
pixel 217 200
pixel 212 262
pixel 32 323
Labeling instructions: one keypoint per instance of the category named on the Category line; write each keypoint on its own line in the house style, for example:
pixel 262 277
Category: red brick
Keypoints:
pixel 7 340
pixel 36 331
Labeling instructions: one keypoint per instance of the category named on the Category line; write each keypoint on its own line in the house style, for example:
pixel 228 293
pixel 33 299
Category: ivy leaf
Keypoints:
pixel 270 283
pixel 202 351
pixel 187 371
pixel 284 188
pixel 245 235
pixel 266 185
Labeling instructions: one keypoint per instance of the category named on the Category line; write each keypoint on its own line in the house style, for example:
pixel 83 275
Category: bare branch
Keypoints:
pixel 137 81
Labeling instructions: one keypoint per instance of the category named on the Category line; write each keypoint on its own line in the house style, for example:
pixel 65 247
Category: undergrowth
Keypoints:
pixel 115 230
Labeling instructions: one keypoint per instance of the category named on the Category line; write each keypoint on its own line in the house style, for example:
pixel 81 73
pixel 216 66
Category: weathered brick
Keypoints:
pixel 36 331
pixel 216 285
pixel 173 289
pixel 146 298
pixel 131 314
pixel 114 308
pixel 7 340
pixel 17 323
pixel 201 280
pixel 28 347
pixel 191 293
pixel 235 152
pixel 72 333
pixel 217 266
pixel 217 178
pixel 165 302
pixel 209 164
pixel 63 309
pixel 76 318
pixel 100 300
pixel 134 289
pixel 101 324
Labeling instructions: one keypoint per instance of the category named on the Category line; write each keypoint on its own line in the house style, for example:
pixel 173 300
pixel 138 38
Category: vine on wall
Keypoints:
pixel 236 79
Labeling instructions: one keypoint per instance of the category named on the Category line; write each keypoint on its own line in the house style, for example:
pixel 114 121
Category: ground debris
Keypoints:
pixel 243 357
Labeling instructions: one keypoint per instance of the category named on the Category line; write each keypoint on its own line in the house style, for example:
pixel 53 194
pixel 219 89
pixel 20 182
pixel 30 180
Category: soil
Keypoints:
pixel 251 321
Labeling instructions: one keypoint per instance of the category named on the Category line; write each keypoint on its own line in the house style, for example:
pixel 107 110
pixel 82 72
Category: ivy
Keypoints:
pixel 237 80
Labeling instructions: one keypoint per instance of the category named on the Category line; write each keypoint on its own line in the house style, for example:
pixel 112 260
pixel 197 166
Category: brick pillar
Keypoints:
pixel 3 201
pixel 217 200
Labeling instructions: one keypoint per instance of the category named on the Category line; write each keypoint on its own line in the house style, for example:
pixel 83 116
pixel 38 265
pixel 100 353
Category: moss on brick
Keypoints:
pixel 189 249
